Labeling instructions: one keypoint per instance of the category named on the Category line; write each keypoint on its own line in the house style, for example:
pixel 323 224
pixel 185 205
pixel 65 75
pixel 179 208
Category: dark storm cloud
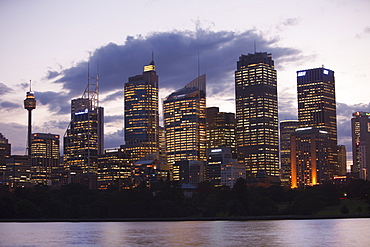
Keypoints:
pixel 114 96
pixel 57 103
pixel 4 89
pixel 51 74
pixel 114 139
pixel 9 106
pixel 176 58
pixel 113 119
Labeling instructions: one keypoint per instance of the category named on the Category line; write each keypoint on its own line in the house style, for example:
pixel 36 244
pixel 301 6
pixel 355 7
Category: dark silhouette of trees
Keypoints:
pixel 166 200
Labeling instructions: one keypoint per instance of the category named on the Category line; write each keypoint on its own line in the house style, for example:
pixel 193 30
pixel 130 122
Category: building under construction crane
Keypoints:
pixel 84 138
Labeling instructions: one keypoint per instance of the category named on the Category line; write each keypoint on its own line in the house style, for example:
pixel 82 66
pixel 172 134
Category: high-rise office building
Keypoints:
pixel 18 171
pixel 309 157
pixel 287 127
pixel 317 107
pixel 257 114
pixel 221 129
pixel 45 157
pixel 5 149
pixel 115 169
pixel 360 124
pixel 222 169
pixel 141 114
pixel 185 123
pixel 84 138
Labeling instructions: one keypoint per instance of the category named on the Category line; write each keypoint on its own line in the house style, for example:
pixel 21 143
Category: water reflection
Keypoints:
pixel 331 232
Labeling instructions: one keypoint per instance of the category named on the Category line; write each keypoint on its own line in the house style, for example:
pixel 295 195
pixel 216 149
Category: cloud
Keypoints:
pixel 58 103
pixel 113 119
pixel 176 59
pixel 364 33
pixel 114 140
pixel 9 106
pixel 4 89
pixel 118 95
pixel 51 74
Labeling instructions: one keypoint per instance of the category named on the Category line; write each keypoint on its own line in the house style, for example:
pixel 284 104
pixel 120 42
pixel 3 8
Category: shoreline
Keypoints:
pixel 244 218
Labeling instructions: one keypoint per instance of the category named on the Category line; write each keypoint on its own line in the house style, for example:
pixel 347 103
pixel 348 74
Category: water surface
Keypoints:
pixel 323 232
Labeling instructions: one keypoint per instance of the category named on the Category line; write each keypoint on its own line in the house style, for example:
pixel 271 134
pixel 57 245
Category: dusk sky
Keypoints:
pixel 49 42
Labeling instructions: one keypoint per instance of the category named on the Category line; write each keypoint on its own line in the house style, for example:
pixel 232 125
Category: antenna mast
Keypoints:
pixel 92 89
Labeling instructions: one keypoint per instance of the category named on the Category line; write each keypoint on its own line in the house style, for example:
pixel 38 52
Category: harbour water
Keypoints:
pixel 320 232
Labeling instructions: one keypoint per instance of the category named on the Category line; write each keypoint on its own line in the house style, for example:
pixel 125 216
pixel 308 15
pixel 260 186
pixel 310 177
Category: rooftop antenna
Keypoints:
pixel 92 89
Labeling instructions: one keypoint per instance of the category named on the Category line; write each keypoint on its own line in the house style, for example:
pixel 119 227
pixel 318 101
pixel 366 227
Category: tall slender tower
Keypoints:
pixel 185 122
pixel 317 108
pixel 141 114
pixel 29 105
pixel 257 114
pixel 84 138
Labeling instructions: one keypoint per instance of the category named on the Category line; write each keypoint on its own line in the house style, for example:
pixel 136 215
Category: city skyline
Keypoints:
pixel 176 43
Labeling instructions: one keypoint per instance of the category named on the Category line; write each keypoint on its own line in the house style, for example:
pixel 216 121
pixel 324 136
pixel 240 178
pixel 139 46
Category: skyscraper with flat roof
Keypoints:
pixel 5 148
pixel 257 113
pixel 309 157
pixel 221 129
pixel 185 123
pixel 360 124
pixel 141 114
pixel 45 157
pixel 317 108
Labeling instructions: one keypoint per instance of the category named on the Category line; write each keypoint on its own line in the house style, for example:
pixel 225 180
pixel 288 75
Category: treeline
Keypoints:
pixel 166 199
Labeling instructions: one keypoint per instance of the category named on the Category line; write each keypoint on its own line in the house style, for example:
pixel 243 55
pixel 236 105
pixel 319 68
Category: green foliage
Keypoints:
pixel 166 200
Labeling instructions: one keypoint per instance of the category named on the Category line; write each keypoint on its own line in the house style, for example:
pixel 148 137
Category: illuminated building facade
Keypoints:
pixel 309 157
pixel 5 148
pixel 45 157
pixel 257 138
pixel 317 107
pixel 222 169
pixel 114 169
pixel 149 171
pixel 83 141
pixel 360 124
pixel 18 171
pixel 287 127
pixel 221 129
pixel 141 114
pixel 185 123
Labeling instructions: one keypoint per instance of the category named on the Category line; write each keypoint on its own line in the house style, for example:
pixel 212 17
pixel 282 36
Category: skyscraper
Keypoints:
pixel 4 154
pixel 317 107
pixel 185 123
pixel 45 157
pixel 29 105
pixel 84 138
pixel 221 129
pixel 309 157
pixel 360 124
pixel 257 113
pixel 141 114
pixel 287 127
